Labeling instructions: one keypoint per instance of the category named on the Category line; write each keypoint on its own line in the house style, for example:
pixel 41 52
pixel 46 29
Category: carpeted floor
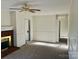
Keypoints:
pixel 40 50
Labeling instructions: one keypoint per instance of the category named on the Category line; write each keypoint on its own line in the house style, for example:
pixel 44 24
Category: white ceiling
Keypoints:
pixel 44 5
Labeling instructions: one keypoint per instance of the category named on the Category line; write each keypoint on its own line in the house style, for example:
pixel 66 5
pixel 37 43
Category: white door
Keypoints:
pixel 26 30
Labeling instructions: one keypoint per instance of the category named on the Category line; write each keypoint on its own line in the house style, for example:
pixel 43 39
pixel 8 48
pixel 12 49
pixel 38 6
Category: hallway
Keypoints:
pixel 41 50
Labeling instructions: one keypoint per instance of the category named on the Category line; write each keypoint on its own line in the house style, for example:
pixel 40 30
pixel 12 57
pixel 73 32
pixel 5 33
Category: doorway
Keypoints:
pixel 63 28
pixel 27 30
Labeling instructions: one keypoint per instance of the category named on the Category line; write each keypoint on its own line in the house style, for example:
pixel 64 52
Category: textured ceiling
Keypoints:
pixel 44 5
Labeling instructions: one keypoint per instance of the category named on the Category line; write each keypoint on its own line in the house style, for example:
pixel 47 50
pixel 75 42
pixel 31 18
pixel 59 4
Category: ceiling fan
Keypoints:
pixel 26 7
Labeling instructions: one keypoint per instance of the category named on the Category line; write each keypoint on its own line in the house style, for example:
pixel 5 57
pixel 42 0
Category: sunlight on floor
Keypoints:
pixel 64 46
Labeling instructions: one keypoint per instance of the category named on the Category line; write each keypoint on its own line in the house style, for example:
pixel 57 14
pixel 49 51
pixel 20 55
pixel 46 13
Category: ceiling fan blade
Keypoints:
pixel 36 9
pixel 15 8
pixel 30 10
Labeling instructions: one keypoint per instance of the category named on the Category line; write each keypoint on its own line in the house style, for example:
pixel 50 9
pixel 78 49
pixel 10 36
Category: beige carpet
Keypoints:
pixel 40 50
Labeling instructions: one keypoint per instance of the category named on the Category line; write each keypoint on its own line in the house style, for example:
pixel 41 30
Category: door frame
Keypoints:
pixel 29 29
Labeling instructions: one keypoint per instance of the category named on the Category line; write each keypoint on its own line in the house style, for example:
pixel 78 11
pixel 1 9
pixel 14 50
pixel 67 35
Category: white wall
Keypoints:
pixel 18 20
pixel 13 23
pixel 73 31
pixel 45 28
pixel 20 28
pixel 5 18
